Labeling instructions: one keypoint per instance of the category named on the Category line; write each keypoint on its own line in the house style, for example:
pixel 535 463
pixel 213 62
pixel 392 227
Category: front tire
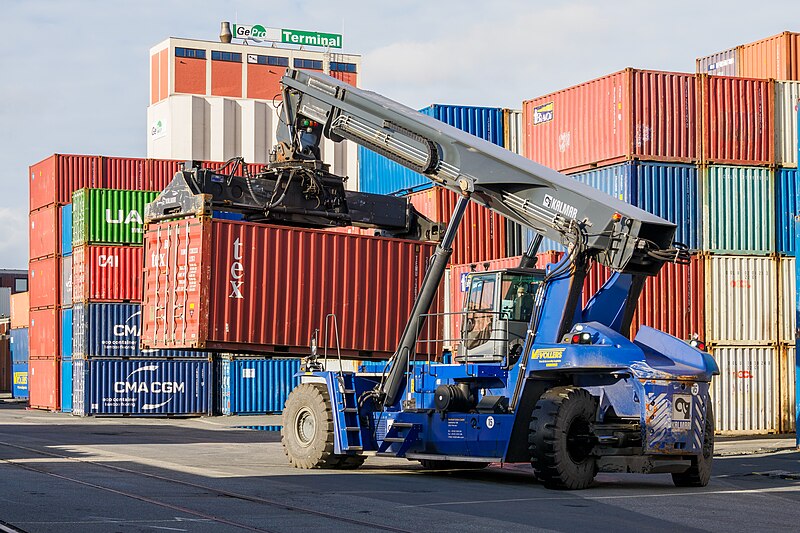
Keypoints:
pixel 560 438
pixel 307 432
pixel 699 474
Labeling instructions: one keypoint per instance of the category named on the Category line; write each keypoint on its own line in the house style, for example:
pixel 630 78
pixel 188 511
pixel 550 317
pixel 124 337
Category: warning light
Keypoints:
pixel 616 217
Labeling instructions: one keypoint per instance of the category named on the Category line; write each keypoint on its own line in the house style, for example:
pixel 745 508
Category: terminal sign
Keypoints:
pixel 257 32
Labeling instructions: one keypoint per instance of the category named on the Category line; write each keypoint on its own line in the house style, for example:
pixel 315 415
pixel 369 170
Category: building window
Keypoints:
pixel 226 56
pixel 190 52
pixel 20 285
pixel 342 67
pixel 273 61
pixel 308 63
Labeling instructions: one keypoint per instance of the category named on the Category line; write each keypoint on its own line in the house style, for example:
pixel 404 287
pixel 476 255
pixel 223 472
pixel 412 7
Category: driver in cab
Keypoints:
pixel 523 305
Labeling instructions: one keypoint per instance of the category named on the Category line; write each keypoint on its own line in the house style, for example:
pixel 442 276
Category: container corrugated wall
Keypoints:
pixel 720 64
pixel 66 333
pixel 482 233
pixel 628 114
pixel 45 240
pixel 53 180
pixel 141 387
pixel 776 57
pixel 293 290
pixel 45 333
pixel 786 210
pixel 20 346
pixel 106 216
pixel 44 383
pixel 787 95
pixel 737 120
pixel 107 273
pixel 738 210
pixel 746 393
pixel 255 386
pixel 66 229
pixel 670 190
pixel 112 330
pixel 741 299
pixel 787 277
pixel 66 386
pixel 377 174
pixel 513 131
pixel 44 278
pixel 788 355
pixel 66 280
pixel 614 180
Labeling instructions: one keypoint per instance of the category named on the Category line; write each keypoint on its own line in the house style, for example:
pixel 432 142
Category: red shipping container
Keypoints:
pixel 482 234
pixel 44 383
pixel 45 235
pixel 45 285
pixel 737 123
pixel 126 173
pixel 107 273
pixel 255 288
pixel 673 301
pixel 160 172
pixel 53 179
pixel 629 114
pixel 20 310
pixel 44 333
pixel 776 57
pixel 457 292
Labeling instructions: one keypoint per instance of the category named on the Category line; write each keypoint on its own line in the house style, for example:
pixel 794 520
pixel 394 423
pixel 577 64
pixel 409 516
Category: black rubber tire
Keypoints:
pixel 434 464
pixel 561 458
pixel 351 462
pixel 699 474
pixel 314 450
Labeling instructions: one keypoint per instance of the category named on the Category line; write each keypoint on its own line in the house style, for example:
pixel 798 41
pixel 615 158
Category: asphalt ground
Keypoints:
pixel 60 474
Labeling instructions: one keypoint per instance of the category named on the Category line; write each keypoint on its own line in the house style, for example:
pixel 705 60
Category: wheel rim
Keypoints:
pixel 579 440
pixel 305 426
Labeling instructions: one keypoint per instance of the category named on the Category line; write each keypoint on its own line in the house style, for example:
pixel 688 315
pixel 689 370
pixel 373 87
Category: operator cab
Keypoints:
pixel 497 311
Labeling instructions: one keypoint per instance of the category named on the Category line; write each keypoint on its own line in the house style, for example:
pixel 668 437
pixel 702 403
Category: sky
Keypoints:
pixel 75 74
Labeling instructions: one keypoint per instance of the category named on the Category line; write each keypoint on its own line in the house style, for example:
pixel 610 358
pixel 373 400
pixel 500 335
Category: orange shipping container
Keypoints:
pixel 44 333
pixel 629 114
pixel 776 57
pixel 45 287
pixel 44 232
pixel 254 288
pixel 20 310
pixel 482 234
pixel 44 383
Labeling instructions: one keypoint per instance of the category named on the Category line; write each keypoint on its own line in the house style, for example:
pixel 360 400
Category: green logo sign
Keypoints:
pixel 311 38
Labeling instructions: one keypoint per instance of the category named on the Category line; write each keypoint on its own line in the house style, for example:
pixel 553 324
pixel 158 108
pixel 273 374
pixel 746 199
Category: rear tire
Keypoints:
pixel 307 432
pixel 699 474
pixel 560 439
pixel 435 464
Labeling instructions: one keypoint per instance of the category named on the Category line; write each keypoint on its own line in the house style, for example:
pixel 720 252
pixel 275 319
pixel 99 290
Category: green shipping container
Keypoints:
pixel 738 210
pixel 108 216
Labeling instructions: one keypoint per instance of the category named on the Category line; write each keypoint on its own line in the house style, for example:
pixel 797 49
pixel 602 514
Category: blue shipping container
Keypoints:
pixel 20 346
pixel 66 333
pixel 66 386
pixel 255 386
pixel 667 190
pixel 19 380
pixel 66 229
pixel 377 174
pixel 786 204
pixel 112 330
pixel 141 387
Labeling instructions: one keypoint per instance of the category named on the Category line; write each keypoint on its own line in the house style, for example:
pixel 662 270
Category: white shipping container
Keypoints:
pixel 787 94
pixel 514 133
pixel 786 299
pixel 5 301
pixel 788 388
pixel 746 393
pixel 741 300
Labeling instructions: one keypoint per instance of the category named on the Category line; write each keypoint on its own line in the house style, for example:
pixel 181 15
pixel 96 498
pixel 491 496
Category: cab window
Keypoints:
pixel 518 293
pixel 481 293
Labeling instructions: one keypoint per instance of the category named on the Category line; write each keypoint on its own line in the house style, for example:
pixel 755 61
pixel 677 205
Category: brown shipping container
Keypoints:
pixel 776 57
pixel 45 237
pixel 44 333
pixel 107 273
pixel 20 310
pixel 482 234
pixel 45 285
pixel 629 114
pixel 254 288
pixel 673 301
pixel 737 123
pixel 44 383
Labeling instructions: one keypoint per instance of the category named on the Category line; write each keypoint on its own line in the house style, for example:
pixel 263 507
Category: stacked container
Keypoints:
pixel 19 344
pixel 110 373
